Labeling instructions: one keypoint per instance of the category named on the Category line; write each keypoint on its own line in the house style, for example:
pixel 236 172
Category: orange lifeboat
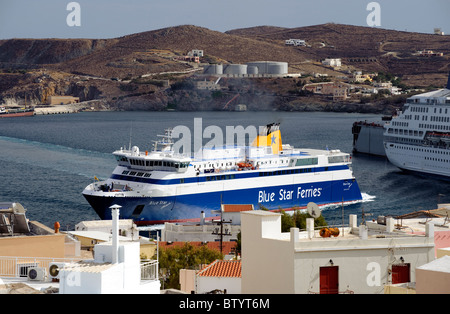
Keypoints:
pixel 245 165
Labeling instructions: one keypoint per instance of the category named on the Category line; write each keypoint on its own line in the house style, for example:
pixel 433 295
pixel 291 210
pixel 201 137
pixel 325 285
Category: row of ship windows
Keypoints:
pixel 440 119
pixel 437 159
pixel 405 132
pixel 419 109
pixel 276 161
pixel 291 171
pixel 423 109
pixel 429 101
pixel 426 150
pixel 424 118
pixel 398 123
pixel 227 177
pixel 216 178
pixel 434 126
pixel 261 174
pixel 137 174
pixel 153 163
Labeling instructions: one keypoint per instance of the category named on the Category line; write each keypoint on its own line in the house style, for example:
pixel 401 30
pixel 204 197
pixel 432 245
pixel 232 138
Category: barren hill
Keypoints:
pixel 371 49
pixel 179 40
pixel 85 67
pixel 363 47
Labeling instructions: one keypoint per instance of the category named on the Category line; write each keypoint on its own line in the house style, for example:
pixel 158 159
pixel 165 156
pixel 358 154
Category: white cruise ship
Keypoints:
pixel 418 137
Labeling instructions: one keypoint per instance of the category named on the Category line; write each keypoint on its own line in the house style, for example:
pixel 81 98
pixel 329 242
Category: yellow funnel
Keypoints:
pixel 271 137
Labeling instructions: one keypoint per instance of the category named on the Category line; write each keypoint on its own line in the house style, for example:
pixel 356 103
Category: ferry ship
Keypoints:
pixel 417 139
pixel 161 185
pixel 17 112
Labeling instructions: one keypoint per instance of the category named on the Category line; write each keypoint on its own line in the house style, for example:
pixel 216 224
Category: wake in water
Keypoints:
pixel 66 159
pixel 366 198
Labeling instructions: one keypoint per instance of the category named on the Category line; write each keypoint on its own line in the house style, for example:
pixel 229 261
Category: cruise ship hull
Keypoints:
pixel 424 161
pixel 417 139
pixel 154 210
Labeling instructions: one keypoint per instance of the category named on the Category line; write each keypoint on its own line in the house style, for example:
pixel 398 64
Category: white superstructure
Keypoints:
pixel 418 137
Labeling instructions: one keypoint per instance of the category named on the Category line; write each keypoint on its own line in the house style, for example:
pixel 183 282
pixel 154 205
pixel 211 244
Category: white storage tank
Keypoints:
pixel 235 69
pixel 260 65
pixel 270 67
pixel 252 70
pixel 214 69
pixel 279 68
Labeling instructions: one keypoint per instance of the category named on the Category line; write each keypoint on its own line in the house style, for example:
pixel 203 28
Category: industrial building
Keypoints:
pixel 62 100
pixel 250 69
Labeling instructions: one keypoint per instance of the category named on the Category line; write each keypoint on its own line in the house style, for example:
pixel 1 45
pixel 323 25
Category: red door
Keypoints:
pixel 329 280
pixel 400 273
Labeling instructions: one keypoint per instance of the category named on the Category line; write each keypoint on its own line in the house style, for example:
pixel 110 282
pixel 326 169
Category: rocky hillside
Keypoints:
pixel 138 71
pixel 370 49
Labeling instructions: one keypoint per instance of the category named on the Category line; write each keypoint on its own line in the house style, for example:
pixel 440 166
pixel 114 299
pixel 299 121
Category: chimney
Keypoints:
pixel 115 209
pixel 202 218
pixel 363 232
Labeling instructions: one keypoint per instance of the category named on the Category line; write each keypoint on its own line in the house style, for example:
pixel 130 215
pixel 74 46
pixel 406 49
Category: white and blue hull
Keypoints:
pixel 268 189
pixel 159 186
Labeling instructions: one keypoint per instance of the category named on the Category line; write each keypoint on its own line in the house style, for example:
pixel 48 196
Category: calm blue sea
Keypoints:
pixel 46 161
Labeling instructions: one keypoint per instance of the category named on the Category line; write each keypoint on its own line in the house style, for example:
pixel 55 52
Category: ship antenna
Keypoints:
pixel 131 130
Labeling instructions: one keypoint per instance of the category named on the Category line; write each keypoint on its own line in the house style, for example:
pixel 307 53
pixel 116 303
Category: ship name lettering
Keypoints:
pixel 286 195
pixel 303 193
pixel 264 197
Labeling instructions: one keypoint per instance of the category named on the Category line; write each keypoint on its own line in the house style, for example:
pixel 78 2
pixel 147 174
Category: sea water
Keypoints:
pixel 46 161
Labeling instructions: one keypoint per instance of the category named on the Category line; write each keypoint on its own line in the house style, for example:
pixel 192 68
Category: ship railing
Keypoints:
pixel 149 270
pixel 423 143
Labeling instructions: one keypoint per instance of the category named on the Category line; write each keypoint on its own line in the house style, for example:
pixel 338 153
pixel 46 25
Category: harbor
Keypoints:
pixel 195 151
pixel 410 218
pixel 427 142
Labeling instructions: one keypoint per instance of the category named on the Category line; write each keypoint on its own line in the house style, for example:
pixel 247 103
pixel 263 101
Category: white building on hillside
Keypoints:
pixel 295 42
pixel 361 259
pixel 332 62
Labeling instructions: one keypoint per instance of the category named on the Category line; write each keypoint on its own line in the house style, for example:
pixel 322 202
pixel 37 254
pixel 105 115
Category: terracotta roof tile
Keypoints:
pixel 221 268
pixel 237 207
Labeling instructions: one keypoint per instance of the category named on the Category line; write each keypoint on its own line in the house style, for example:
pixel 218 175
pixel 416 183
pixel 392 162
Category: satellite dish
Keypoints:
pixel 313 210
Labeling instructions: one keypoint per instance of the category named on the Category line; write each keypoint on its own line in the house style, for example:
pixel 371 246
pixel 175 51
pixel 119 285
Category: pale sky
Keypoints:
pixel 115 18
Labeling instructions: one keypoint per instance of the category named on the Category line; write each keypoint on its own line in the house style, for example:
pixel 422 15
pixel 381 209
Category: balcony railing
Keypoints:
pixel 16 267
pixel 149 270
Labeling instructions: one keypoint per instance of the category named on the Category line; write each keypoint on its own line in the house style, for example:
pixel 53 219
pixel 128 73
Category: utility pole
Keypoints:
pixel 220 232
